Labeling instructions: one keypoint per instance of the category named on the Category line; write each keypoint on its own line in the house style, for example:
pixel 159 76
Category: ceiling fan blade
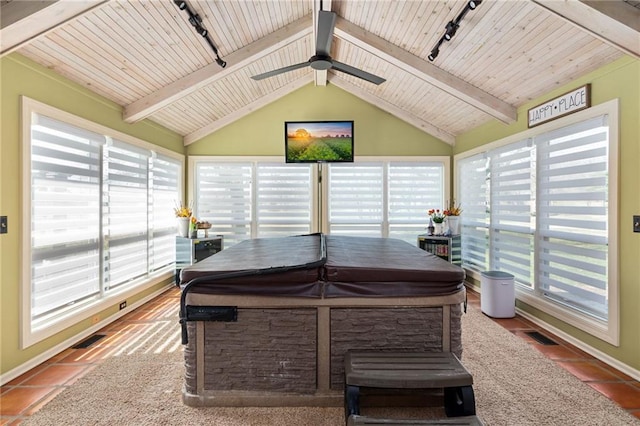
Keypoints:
pixel 280 71
pixel 348 69
pixel 326 24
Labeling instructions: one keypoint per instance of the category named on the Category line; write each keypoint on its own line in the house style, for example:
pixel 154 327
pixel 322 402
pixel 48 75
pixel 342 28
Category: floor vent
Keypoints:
pixel 540 338
pixel 89 341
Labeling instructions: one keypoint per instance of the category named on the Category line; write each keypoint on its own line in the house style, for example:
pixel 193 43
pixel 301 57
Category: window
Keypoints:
pixel 246 198
pixel 250 198
pixel 384 198
pixel 551 212
pixel 100 215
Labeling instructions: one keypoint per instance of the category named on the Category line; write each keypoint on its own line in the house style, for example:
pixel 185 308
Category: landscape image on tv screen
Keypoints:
pixel 319 141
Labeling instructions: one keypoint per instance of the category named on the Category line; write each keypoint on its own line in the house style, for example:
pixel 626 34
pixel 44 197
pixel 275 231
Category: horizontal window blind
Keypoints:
pixel 166 183
pixel 283 199
pixel 356 199
pixel 125 213
pixel 573 214
pixel 92 216
pixel 512 210
pixel 65 214
pixel 225 198
pixel 473 196
pixel 413 189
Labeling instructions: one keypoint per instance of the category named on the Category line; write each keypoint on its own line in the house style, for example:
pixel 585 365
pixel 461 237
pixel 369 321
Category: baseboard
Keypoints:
pixel 607 359
pixel 44 356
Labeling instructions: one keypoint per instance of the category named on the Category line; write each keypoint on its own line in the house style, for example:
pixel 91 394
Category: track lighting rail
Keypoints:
pixel 196 21
pixel 452 27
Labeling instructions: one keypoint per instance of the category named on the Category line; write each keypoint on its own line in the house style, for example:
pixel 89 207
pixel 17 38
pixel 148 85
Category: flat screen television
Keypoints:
pixel 318 141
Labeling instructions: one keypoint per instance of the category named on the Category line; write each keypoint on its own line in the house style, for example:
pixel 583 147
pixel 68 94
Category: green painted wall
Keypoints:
pixel 20 76
pixel 621 80
pixel 376 133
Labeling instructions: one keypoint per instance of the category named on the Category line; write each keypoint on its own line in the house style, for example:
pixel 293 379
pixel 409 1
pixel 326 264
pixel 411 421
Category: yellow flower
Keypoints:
pixel 182 211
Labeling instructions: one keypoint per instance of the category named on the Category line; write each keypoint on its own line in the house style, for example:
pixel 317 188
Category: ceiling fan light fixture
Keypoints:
pixel 322 59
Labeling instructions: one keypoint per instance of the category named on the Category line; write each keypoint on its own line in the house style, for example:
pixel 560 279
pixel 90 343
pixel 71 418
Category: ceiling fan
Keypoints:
pixel 321 60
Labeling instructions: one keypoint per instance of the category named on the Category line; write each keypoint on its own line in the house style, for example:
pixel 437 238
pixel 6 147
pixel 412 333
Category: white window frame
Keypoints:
pixel 608 331
pixel 88 309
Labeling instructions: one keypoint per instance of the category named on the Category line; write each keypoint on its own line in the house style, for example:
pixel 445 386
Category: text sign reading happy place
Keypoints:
pixel 568 103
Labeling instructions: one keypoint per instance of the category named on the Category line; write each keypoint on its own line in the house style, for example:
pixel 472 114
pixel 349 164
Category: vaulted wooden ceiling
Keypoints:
pixel 147 57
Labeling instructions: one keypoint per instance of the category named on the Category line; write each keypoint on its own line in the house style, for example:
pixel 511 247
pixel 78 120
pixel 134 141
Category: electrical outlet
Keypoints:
pixel 123 305
pixel 4 226
pixel 636 224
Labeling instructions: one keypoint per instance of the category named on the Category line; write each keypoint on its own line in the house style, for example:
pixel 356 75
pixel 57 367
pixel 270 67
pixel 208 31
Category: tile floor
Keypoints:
pixel 28 393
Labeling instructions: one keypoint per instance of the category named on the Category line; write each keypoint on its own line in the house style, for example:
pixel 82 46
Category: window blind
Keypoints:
pixel 473 197
pixel 573 214
pixel 224 198
pixel 125 212
pixel 65 214
pixel 283 199
pixel 413 189
pixel 356 199
pixel 93 212
pixel 166 183
pixel 512 210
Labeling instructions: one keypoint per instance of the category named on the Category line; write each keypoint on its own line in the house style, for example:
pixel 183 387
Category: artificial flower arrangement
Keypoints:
pixel 182 211
pixel 436 215
pixel 453 210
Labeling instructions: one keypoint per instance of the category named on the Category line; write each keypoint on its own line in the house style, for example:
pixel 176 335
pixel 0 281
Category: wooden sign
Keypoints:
pixel 568 103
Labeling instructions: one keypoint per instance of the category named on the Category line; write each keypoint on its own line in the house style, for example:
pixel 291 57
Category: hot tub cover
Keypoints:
pixel 319 265
pixel 370 267
pixel 286 266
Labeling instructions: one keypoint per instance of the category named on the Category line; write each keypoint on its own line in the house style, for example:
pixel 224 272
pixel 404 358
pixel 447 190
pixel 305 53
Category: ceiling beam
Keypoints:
pixel 425 71
pixel 320 76
pixel 614 22
pixel 247 109
pixel 144 107
pixel 392 109
pixel 24 21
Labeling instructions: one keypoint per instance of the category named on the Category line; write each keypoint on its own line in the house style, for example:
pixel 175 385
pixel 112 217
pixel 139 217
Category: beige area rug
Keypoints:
pixel 514 385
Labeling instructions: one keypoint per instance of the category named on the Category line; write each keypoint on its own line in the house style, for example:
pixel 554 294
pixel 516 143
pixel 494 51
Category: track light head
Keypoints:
pixel 434 54
pixel 473 4
pixel 181 4
pixel 220 62
pixel 451 29
pixel 202 31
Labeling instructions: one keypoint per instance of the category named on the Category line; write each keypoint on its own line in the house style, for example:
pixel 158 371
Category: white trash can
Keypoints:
pixel 497 294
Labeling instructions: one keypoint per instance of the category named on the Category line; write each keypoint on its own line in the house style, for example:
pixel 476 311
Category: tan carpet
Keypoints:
pixel 514 385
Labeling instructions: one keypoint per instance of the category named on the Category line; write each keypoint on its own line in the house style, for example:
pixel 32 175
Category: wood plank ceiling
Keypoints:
pixel 145 56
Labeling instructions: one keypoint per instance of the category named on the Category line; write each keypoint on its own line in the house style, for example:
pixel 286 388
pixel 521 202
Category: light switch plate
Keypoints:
pixel 636 223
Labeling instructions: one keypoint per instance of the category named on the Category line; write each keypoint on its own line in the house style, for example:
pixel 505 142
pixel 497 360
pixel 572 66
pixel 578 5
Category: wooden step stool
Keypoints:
pixel 409 370
pixel 453 421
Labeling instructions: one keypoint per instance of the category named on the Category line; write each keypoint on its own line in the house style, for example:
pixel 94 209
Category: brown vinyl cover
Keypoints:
pixel 386 267
pixel 355 267
pixel 260 258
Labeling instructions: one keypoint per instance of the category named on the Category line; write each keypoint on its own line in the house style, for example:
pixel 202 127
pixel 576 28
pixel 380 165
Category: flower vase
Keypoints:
pixel 453 222
pixel 183 226
pixel 439 228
